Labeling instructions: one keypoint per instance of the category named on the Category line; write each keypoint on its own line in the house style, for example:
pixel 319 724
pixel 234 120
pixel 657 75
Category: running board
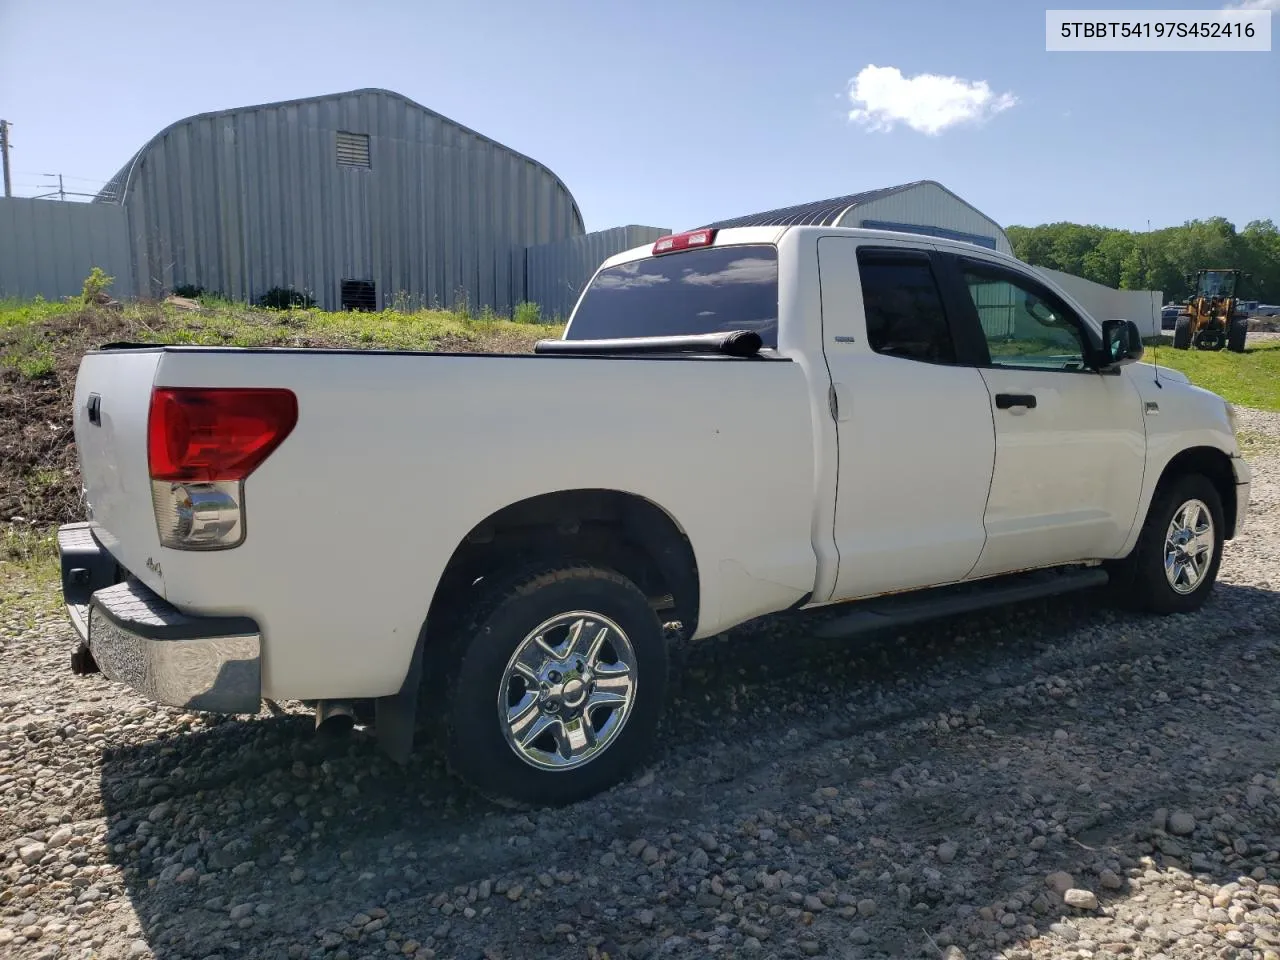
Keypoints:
pixel 903 609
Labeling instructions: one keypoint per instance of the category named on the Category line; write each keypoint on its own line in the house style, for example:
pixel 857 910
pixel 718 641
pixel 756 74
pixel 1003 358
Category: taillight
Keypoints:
pixel 683 241
pixel 216 434
pixel 201 445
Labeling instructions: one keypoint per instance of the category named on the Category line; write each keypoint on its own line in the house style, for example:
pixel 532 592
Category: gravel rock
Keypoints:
pixel 1182 824
pixel 1081 899
pixel 1060 882
pixel 32 853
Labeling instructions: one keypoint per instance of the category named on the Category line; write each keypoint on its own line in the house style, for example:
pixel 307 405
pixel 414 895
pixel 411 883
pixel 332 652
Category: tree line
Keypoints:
pixel 1159 259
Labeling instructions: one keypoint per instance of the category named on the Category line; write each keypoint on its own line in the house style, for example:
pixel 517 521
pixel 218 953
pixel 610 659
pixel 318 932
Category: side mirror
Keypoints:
pixel 1121 343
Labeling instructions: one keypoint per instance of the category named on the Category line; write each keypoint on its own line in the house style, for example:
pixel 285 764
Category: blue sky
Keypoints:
pixel 675 114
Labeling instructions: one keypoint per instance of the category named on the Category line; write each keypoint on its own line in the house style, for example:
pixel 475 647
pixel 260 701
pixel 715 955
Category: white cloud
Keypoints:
pixel 928 103
pixel 746 270
pixel 627 280
pixel 1254 5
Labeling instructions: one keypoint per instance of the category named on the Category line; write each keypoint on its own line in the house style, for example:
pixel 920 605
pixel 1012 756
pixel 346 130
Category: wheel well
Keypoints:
pixel 623 531
pixel 1212 463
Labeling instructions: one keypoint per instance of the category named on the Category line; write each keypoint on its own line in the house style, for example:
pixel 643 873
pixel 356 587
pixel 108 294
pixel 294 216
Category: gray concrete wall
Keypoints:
pixel 48 247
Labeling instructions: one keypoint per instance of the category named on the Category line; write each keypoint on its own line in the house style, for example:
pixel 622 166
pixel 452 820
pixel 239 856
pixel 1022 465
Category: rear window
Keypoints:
pixel 713 290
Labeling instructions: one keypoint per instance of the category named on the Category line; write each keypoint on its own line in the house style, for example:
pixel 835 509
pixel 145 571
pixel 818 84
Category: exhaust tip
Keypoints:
pixel 335 718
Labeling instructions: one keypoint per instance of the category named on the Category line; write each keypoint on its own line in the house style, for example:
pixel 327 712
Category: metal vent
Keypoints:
pixel 359 295
pixel 353 149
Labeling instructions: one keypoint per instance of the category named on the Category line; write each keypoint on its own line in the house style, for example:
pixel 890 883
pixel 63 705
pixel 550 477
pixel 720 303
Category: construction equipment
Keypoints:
pixel 1211 318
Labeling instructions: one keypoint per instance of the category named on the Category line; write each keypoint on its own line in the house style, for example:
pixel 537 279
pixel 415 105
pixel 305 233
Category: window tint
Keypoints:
pixel 713 290
pixel 904 309
pixel 1023 327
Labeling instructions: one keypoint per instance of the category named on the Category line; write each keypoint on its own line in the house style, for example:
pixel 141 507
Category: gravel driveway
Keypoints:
pixel 1054 780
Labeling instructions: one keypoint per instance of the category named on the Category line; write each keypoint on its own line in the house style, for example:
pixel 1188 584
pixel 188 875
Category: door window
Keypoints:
pixel 1023 325
pixel 905 316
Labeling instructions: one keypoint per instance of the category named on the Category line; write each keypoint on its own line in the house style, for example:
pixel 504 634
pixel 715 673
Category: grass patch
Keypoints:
pixel 27 352
pixel 24 326
pixel 1249 379
pixel 23 313
pixel 28 571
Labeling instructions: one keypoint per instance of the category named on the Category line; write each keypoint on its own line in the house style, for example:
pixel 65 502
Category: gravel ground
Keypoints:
pixel 1055 780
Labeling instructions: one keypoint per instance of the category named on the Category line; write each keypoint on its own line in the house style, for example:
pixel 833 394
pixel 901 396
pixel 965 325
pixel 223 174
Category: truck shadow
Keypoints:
pixel 255 838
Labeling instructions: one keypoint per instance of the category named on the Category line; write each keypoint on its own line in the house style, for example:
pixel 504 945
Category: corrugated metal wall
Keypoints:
pixel 1106 303
pixel 928 204
pixel 244 200
pixel 48 247
pixel 997 307
pixel 556 272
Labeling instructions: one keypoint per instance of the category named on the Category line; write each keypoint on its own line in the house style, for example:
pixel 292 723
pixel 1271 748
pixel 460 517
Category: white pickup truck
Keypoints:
pixel 735 422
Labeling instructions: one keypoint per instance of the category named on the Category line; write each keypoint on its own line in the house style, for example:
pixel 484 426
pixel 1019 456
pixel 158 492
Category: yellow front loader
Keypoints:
pixel 1211 320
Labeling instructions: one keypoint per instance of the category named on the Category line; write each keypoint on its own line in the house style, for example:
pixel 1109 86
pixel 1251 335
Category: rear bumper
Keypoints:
pixel 136 637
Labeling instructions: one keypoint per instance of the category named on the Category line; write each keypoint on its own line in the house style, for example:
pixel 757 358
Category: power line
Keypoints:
pixel 67 176
pixel 60 191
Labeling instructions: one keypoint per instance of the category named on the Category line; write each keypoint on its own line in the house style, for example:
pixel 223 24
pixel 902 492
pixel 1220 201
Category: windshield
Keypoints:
pixel 712 290
pixel 1218 283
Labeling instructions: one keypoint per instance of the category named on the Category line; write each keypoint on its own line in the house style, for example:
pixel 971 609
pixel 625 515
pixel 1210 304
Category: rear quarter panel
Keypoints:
pixel 396 457
pixel 113 457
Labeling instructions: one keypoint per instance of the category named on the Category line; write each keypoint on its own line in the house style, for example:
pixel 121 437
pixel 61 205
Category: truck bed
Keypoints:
pixel 396 457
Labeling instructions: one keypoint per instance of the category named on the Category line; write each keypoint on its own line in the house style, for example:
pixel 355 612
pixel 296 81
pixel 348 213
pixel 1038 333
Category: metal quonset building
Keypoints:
pixel 923 206
pixel 359 199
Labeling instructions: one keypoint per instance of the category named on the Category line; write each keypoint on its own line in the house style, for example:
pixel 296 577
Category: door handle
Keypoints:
pixel 1006 400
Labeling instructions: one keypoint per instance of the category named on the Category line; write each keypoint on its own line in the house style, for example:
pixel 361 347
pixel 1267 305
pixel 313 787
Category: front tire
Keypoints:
pixel 1239 333
pixel 1182 334
pixel 558 683
pixel 1175 564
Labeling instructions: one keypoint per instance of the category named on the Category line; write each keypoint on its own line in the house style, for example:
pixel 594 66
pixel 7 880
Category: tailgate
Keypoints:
pixel 112 399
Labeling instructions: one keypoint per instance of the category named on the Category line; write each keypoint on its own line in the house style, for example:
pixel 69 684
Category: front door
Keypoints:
pixel 916 442
pixel 1070 441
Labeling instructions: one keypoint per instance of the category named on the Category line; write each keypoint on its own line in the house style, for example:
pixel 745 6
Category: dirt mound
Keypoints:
pixel 39 479
pixel 39 475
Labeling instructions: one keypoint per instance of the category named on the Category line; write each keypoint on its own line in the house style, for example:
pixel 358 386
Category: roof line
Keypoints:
pixel 961 199
pixel 785 215
pixel 213 114
pixel 846 202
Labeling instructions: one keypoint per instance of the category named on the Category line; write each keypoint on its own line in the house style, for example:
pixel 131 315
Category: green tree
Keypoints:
pixel 1159 259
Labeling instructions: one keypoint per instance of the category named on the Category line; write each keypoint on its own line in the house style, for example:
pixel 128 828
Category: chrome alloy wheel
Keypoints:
pixel 1188 547
pixel 568 690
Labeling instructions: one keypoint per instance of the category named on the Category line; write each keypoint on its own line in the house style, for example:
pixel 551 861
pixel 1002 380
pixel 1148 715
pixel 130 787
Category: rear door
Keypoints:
pixel 916 442
pixel 1070 441
pixel 112 400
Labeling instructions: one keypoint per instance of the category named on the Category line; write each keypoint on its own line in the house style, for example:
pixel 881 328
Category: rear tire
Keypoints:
pixel 1174 565
pixel 1182 334
pixel 557 684
pixel 1238 334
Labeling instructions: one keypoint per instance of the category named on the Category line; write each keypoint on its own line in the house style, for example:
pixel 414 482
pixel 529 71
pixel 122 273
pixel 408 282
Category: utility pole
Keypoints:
pixel 59 191
pixel 62 194
pixel 4 152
